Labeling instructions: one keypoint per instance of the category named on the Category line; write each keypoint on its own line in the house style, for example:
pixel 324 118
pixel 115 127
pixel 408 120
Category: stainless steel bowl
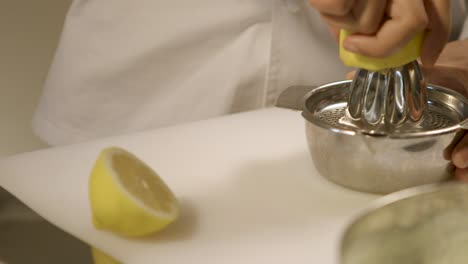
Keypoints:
pixel 374 163
pixel 422 225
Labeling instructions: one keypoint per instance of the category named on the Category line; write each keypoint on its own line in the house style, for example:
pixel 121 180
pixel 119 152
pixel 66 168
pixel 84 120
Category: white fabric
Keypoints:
pixel 124 66
pixel 459 19
pixel 464 32
pixel 245 198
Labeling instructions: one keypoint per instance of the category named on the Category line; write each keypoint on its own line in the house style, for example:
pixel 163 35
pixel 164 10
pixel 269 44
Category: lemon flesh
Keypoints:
pixel 408 53
pixel 100 257
pixel 127 197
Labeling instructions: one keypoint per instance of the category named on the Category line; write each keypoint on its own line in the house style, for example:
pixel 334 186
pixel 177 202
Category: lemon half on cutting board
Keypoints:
pixel 127 197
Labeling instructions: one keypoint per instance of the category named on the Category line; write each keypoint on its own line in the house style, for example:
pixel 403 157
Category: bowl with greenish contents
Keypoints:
pixel 421 225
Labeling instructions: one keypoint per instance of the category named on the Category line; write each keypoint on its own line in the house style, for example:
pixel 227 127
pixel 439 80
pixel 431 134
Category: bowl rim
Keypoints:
pixel 308 116
pixel 395 197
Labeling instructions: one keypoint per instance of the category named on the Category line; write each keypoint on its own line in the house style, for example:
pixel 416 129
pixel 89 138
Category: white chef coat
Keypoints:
pixel 125 66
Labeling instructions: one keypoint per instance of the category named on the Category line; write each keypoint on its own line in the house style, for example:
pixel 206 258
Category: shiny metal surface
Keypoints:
pixel 293 97
pixel 445 110
pixel 388 101
pixel 379 163
pixel 422 225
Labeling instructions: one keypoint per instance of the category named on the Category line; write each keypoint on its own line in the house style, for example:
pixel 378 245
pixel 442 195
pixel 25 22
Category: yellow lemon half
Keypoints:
pixel 408 53
pixel 127 197
pixel 100 257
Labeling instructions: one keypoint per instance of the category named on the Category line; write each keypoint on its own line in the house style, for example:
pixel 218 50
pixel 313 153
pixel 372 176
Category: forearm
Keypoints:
pixel 454 54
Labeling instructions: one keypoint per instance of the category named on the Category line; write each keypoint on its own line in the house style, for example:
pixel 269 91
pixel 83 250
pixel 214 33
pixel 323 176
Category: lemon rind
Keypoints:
pixel 407 54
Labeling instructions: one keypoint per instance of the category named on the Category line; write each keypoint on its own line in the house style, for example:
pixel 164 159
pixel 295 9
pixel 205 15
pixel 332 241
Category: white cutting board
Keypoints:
pixel 248 189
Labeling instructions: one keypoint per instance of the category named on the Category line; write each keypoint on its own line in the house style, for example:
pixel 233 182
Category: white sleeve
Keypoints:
pixel 464 30
pixel 124 66
pixel 464 33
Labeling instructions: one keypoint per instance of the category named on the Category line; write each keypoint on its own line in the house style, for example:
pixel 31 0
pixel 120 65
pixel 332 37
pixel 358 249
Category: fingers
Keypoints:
pixel 460 153
pixel 406 20
pixel 449 149
pixel 364 17
pixel 438 30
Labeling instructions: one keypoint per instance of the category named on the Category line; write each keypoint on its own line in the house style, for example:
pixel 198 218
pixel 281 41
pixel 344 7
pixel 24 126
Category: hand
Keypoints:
pixel 451 71
pixel 363 16
pixel 382 27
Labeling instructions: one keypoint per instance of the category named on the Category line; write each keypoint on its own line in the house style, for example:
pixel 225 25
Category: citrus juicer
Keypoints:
pixel 389 95
pixel 384 131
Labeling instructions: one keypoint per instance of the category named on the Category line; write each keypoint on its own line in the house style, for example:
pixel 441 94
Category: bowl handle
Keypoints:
pixel 293 97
